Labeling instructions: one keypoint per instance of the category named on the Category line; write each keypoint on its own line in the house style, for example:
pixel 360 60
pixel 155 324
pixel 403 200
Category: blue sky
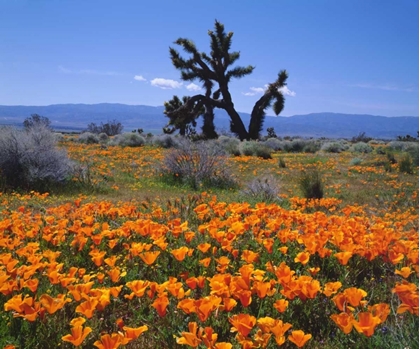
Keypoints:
pixel 358 56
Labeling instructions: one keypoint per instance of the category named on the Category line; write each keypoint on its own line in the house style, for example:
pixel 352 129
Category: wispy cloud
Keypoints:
pixel 165 84
pixel 86 71
pixel 193 87
pixel 254 91
pixel 259 91
pixel 285 90
pixel 384 87
pixel 139 78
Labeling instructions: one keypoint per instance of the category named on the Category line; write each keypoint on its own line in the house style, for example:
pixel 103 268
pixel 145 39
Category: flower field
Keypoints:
pixel 140 263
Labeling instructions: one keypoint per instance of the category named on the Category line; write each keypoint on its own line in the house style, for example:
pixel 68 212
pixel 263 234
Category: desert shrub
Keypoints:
pixel 252 148
pixel 361 137
pixel 405 165
pixel 402 146
pixel 262 189
pixel 297 145
pixel 376 141
pixel 128 139
pixel 282 163
pixel 36 120
pixel 361 147
pixel 311 146
pixel 380 150
pixel 111 128
pixel 310 183
pixel 355 161
pixel 335 147
pixel 29 159
pixel 274 143
pixel 103 137
pixel 230 145
pixel 198 164
pixel 88 138
pixel 165 141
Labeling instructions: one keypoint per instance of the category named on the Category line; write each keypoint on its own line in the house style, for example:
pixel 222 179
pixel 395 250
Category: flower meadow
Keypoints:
pixel 206 269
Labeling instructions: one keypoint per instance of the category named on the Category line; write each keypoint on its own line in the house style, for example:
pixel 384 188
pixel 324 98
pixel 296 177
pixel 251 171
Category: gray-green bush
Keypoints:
pixel 30 159
pixel 88 138
pixel 128 139
pixel 262 189
pixel 198 165
pixel 311 185
pixel 361 147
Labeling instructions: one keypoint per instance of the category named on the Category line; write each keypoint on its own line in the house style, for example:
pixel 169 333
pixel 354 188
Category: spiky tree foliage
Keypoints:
pixel 180 118
pixel 272 93
pixel 214 72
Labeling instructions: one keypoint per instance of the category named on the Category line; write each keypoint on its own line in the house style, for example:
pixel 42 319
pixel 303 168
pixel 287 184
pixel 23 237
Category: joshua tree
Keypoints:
pixel 212 71
pixel 181 119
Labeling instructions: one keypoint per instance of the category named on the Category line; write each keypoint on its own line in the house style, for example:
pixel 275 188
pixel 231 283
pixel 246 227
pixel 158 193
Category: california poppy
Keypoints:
pixel 299 338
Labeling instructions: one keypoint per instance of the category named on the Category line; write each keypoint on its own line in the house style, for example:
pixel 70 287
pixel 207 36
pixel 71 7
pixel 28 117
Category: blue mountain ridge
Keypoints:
pixel 76 117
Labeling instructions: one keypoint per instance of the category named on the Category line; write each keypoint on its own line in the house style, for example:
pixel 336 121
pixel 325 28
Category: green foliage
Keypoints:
pixel 128 139
pixel 335 147
pixel 36 120
pixel 30 159
pixel 111 128
pixel 405 165
pixel 88 138
pixel 361 147
pixel 262 189
pixel 258 149
pixel 197 165
pixel 282 163
pixel 311 185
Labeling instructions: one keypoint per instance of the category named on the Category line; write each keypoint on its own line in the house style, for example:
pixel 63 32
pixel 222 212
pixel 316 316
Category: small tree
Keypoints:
pixel 111 128
pixel 36 120
pixel 214 73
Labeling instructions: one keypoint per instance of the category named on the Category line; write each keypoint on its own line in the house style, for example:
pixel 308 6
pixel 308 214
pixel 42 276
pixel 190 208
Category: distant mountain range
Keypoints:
pixel 76 117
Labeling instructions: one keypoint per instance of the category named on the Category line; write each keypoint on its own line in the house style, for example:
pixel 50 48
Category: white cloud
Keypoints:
pixel 254 91
pixel 165 84
pixel 139 78
pixel 285 90
pixel 193 87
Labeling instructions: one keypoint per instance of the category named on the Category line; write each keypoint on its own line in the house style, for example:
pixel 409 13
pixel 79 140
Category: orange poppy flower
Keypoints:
pixel 107 341
pixel 380 310
pixel 343 257
pixel 190 338
pixel 229 304
pixel 344 321
pixel 180 253
pixel 303 257
pixel 53 304
pixel 249 256
pixel 205 262
pixel 354 295
pixel 203 247
pixel 299 338
pixel 138 287
pixel 77 336
pixel 208 337
pixel 204 306
pixel 87 308
pixel 149 257
pixel 331 288
pixel 242 323
pixel 366 324
pixel 160 305
pixel 281 305
pixel 132 333
pixel 223 345
pixel 404 272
